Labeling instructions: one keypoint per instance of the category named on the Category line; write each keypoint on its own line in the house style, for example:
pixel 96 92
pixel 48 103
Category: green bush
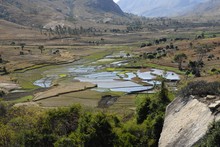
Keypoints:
pixel 98 132
pixel 7 135
pixel 72 126
pixel 200 88
pixel 143 110
pixel 3 109
pixel 73 139
pixel 212 138
pixel 61 121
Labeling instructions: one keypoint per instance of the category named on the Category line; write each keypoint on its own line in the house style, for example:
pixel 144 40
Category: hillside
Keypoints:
pixel 209 10
pixel 57 12
pixel 11 31
pixel 159 8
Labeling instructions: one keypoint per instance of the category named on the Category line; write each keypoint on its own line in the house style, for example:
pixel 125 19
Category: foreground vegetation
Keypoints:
pixel 76 126
pixel 212 138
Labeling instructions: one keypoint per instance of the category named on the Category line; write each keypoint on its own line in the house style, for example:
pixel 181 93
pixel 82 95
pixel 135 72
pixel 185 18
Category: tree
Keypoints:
pixel 157 42
pixel 195 67
pixel 61 121
pixel 150 56
pixel 72 140
pixel 97 130
pixel 5 70
pixel 12 43
pixel 128 55
pixel 6 135
pixel 1 60
pixel 3 107
pixel 143 45
pixel 203 35
pixel 191 45
pixel 143 110
pixel 179 59
pixel 163 94
pixel 201 52
pixel 149 44
pixel 171 46
pixel 33 139
pixel 22 45
pixel 41 48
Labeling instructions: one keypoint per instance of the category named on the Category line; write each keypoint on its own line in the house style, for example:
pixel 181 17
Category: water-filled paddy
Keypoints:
pixel 107 81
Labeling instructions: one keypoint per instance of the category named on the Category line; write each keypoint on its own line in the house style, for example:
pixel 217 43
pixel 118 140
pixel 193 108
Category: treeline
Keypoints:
pixel 59 30
pixel 75 126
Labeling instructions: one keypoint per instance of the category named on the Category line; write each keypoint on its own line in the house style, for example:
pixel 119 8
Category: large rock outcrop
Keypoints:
pixel 188 120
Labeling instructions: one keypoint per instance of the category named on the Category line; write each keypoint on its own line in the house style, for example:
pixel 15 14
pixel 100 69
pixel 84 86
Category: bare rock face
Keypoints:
pixel 187 122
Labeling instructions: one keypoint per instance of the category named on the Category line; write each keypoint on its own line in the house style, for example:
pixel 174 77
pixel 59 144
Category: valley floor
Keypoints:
pixel 26 61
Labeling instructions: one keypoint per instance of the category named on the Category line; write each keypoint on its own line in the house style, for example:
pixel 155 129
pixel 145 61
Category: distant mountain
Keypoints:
pixel 209 10
pixel 104 5
pixel 52 12
pixel 159 8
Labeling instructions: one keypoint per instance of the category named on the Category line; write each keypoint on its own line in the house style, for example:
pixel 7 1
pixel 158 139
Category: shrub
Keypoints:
pixel 150 56
pixel 34 139
pixel 3 109
pixel 61 121
pixel 211 56
pixel 213 70
pixel 212 138
pixel 6 135
pixel 200 88
pixel 143 45
pixel 12 43
pixel 149 44
pixel 73 139
pixel 97 131
pixel 1 60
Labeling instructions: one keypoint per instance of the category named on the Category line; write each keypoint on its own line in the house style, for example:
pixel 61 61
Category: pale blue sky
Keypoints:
pixel 116 1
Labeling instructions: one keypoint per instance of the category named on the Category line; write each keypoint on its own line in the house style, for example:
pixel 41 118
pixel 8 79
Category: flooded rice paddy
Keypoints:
pixel 118 81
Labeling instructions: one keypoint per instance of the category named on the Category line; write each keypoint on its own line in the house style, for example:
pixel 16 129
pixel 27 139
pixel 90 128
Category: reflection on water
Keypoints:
pixel 145 75
pixel 107 81
pixel 45 82
pixel 168 75
pixel 130 76
pixel 132 89
pixel 111 81
pixel 152 82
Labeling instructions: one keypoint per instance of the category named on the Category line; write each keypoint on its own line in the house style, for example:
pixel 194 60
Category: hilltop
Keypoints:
pixel 58 12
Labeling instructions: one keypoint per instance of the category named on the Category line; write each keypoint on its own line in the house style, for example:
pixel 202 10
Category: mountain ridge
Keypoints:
pixel 210 9
pixel 168 8
pixel 44 12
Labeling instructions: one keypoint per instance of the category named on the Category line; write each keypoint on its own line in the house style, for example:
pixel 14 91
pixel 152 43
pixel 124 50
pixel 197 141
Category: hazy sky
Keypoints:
pixel 116 1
